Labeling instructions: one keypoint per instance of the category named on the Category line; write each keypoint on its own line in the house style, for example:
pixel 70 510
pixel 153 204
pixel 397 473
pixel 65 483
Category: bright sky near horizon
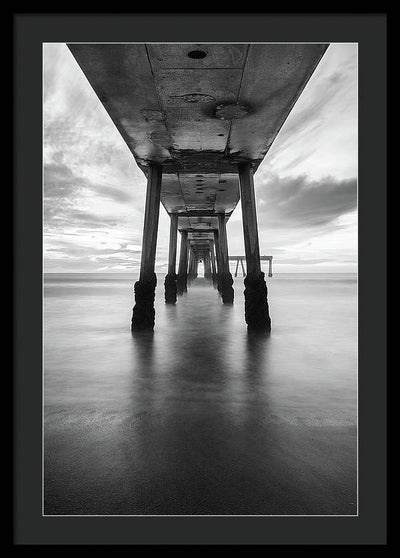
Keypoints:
pixel 306 187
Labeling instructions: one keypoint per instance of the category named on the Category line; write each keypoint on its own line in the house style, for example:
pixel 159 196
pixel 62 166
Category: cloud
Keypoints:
pixel 300 202
pixel 63 196
pixel 94 192
pixel 320 135
pixel 60 181
pixel 312 115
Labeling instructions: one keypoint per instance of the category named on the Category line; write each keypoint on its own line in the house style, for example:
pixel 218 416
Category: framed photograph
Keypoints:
pixel 199 213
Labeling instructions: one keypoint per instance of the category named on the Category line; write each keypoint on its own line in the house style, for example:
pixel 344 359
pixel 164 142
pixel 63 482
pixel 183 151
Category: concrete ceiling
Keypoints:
pixel 198 110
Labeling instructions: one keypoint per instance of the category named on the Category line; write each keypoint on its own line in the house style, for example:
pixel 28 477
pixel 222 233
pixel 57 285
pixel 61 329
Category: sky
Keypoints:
pixel 306 187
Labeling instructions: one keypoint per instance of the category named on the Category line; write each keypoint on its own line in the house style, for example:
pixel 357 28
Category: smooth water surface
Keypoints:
pixel 200 417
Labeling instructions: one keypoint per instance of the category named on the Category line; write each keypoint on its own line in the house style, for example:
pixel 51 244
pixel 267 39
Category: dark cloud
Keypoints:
pixel 297 202
pixel 59 181
pixel 92 219
pixel 112 193
pixel 61 214
pixel 63 191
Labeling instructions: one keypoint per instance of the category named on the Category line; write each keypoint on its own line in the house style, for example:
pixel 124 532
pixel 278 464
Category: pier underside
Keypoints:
pixel 199 119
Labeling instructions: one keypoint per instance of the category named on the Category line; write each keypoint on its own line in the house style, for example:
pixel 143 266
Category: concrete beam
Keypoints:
pixel 201 213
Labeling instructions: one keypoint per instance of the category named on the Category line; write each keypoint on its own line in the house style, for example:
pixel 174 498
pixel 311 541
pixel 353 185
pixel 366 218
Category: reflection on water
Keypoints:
pixel 200 417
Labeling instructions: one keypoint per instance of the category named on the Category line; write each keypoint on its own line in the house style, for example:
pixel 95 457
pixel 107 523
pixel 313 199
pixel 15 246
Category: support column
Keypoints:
pixel 191 266
pixel 256 292
pixel 170 278
pixel 143 314
pixel 227 292
pixel 213 264
pixel 270 268
pixel 181 281
pixel 218 258
pixel 243 271
pixel 237 267
pixel 207 266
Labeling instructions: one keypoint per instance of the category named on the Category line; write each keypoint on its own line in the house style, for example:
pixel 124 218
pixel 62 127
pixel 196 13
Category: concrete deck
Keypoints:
pixel 198 110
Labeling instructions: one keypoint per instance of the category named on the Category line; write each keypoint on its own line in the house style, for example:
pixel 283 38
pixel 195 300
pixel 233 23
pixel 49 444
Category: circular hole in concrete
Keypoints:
pixel 197 54
pixel 231 111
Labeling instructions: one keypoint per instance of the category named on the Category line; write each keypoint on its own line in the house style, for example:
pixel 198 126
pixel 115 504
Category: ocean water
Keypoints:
pixel 200 417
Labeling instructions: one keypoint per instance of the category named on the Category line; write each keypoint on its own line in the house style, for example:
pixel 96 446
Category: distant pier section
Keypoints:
pixel 241 259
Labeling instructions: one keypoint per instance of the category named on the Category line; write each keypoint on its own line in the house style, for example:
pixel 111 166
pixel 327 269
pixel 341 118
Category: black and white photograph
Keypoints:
pixel 200 230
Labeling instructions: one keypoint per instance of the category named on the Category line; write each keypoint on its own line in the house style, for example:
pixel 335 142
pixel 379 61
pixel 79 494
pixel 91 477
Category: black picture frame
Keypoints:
pixel 33 29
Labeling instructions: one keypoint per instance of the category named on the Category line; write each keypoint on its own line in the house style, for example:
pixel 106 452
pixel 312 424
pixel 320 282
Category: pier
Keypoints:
pixel 241 259
pixel 199 120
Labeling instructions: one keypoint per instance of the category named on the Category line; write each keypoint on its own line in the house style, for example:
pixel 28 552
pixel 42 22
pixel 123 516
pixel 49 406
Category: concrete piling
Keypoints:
pixel 170 278
pixel 191 267
pixel 256 292
pixel 218 260
pixel 207 266
pixel 143 314
pixel 225 279
pixel 181 281
pixel 213 264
